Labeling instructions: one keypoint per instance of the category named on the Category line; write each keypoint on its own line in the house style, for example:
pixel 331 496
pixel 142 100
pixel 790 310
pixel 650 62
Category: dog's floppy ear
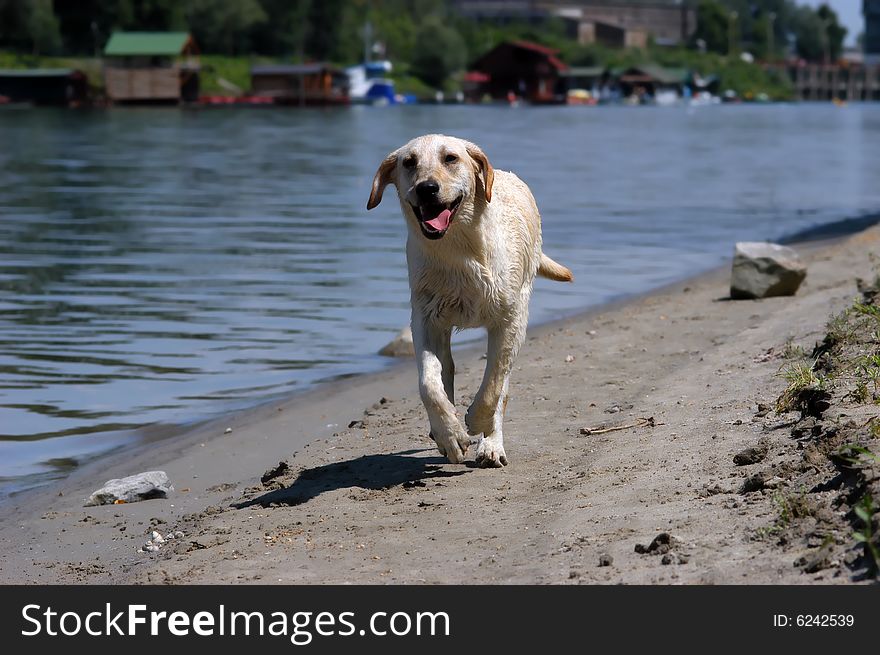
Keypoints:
pixel 485 168
pixel 383 179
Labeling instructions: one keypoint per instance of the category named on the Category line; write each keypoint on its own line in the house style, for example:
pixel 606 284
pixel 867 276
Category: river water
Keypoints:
pixel 158 266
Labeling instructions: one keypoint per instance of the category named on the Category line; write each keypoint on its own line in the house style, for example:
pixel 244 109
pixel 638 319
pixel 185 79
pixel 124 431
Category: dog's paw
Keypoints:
pixel 451 447
pixel 479 420
pixel 490 454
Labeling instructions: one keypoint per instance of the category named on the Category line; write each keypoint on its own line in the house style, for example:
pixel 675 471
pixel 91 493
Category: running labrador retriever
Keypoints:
pixel 473 250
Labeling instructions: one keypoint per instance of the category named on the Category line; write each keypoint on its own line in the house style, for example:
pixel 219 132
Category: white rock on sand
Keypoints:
pixel 762 270
pixel 401 345
pixel 143 486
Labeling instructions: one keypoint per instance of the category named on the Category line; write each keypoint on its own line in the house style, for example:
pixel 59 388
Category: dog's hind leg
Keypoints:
pixel 434 360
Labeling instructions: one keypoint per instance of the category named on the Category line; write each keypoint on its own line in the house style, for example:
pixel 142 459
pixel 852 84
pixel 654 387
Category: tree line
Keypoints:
pixel 769 29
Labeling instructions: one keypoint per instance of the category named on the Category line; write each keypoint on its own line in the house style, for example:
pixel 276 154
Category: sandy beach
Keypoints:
pixel 365 498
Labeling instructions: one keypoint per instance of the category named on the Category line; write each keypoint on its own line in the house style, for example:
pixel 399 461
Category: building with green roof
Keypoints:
pixel 151 67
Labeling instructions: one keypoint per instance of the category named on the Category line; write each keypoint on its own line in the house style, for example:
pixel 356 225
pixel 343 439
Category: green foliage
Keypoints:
pixel 865 511
pixel 834 32
pixel 224 26
pixel 801 377
pixel 440 53
pixel 712 26
pixel 808 30
pixel 236 70
pixel 89 65
pixel 323 32
pixel 791 507
pixel 814 31
pixel 42 25
pixel 856 456
pixel 867 310
pixel 792 350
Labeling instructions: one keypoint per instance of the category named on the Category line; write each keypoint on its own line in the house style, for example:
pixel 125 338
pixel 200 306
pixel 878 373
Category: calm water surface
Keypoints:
pixel 158 266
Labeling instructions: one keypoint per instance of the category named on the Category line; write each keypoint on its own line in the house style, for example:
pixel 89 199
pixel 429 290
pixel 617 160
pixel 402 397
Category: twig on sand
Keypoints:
pixel 641 422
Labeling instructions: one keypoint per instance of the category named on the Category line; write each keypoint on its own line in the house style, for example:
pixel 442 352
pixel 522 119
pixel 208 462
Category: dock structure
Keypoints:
pixel 316 84
pixel 151 67
pixel 64 87
pixel 826 82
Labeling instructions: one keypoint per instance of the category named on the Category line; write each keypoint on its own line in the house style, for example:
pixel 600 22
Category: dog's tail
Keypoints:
pixel 553 270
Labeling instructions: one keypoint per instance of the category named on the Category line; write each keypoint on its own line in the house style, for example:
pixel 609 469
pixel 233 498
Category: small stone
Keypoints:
pixel 753 483
pixel 400 346
pixel 661 544
pixel 227 431
pixel 816 560
pixel 751 455
pixel 774 482
pixel 714 489
pixel 605 559
pixel 569 359
pixel 134 488
pixel 807 428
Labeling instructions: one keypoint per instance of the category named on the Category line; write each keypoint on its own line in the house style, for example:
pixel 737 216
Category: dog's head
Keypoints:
pixel 438 179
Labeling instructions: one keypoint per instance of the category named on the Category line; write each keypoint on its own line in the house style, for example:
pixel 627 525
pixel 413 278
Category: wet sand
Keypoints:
pixel 374 503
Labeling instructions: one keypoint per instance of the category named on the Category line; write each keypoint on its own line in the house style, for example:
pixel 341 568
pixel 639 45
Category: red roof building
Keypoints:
pixel 521 68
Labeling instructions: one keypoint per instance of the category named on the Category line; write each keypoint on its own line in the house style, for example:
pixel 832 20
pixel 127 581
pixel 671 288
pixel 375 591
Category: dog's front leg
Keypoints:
pixel 486 414
pixel 434 359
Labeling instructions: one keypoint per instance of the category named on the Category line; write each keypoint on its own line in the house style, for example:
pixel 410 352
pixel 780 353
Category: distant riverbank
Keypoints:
pixel 230 75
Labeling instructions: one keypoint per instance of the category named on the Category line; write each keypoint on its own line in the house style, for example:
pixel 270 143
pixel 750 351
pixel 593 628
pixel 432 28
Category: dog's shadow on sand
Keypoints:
pixel 368 472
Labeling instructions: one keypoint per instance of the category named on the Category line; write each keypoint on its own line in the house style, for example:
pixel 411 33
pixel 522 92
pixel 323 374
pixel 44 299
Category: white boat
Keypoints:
pixel 666 97
pixel 368 84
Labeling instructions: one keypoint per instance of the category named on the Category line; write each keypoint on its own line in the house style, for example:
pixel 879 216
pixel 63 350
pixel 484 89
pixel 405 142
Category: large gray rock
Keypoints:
pixel 762 270
pixel 143 486
pixel 401 345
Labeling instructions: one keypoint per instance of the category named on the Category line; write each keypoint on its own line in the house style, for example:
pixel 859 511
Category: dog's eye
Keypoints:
pixel 451 158
pixel 409 162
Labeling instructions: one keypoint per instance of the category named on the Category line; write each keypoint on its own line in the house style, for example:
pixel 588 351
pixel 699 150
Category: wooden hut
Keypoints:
pixel 44 86
pixel 521 68
pixel 651 80
pixel 302 84
pixel 151 67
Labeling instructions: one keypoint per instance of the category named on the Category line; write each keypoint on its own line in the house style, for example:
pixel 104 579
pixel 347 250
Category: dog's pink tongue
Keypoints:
pixel 441 221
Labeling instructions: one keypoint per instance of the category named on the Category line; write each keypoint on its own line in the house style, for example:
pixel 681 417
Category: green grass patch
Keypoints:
pixel 801 377
pixel 864 534
pixel 791 506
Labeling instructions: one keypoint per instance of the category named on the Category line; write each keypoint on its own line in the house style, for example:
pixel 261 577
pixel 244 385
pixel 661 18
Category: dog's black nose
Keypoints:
pixel 427 190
